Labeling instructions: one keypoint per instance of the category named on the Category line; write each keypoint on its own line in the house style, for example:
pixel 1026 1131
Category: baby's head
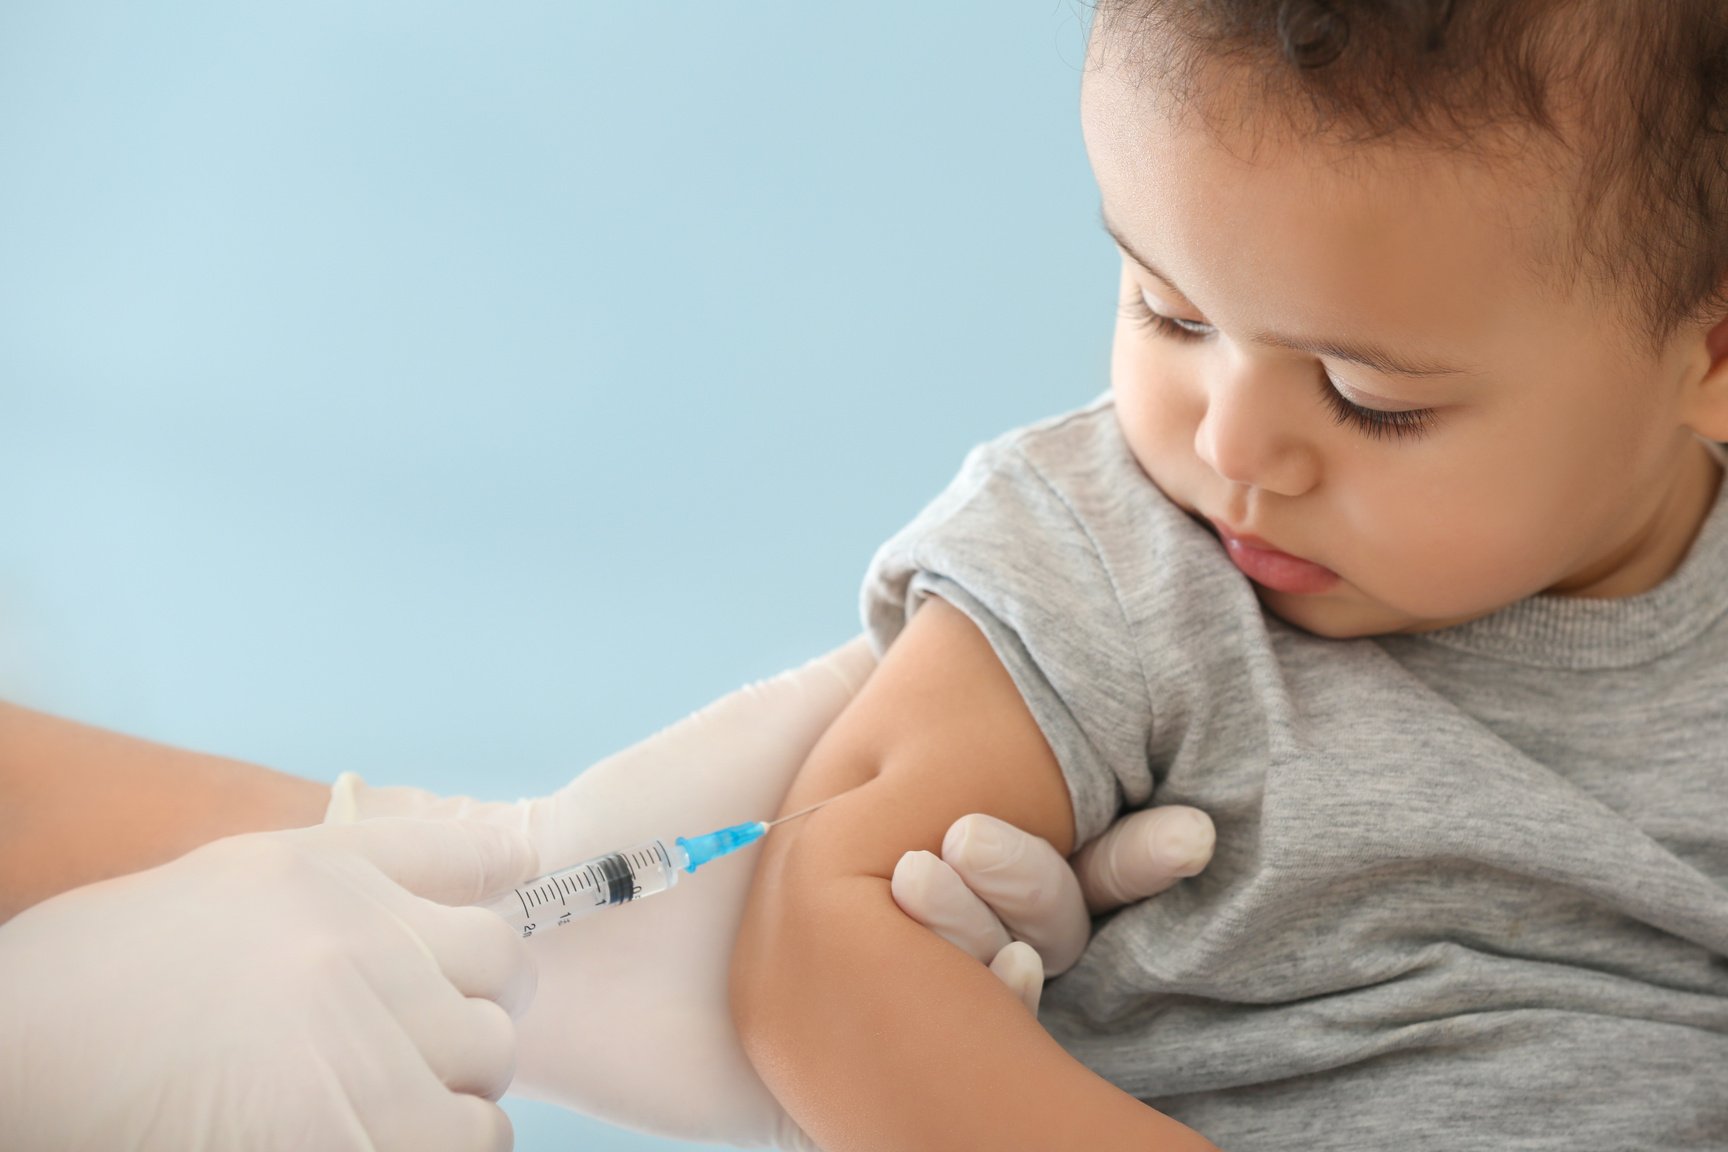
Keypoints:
pixel 1427 292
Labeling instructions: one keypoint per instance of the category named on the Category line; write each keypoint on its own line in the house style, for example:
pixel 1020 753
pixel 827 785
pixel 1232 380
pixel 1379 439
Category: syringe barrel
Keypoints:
pixel 569 894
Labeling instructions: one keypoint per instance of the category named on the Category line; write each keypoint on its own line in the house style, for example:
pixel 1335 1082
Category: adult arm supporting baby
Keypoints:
pixel 873 1032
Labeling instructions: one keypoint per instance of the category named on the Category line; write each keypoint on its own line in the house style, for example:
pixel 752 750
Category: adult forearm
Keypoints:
pixel 876 1034
pixel 80 804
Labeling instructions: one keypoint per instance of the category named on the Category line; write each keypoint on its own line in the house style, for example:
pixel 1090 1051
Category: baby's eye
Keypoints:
pixel 1137 310
pixel 1375 423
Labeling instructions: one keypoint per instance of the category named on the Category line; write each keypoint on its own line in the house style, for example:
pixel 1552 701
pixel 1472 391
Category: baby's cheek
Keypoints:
pixel 1437 565
pixel 1160 435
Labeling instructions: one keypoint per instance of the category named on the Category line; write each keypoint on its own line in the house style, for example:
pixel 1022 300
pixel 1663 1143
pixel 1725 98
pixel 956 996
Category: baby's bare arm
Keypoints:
pixel 874 1032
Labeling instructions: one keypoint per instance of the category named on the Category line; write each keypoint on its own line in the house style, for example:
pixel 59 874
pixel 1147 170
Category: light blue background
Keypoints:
pixel 458 393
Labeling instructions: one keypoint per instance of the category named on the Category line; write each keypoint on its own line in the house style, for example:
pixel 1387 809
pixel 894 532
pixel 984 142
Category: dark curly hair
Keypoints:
pixel 1632 94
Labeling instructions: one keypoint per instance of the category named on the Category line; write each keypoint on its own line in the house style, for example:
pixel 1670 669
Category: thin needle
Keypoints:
pixel 800 812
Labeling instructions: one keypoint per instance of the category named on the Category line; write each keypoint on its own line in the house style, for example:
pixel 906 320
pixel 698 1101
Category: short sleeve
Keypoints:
pixel 1006 548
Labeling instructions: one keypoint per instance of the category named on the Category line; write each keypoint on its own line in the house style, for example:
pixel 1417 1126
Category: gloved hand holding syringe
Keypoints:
pixel 615 878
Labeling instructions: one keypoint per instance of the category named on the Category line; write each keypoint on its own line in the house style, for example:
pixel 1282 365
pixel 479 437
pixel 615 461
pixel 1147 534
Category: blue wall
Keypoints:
pixel 459 393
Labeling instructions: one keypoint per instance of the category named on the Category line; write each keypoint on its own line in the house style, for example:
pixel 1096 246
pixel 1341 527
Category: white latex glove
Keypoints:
pixel 1011 900
pixel 632 1023
pixel 314 988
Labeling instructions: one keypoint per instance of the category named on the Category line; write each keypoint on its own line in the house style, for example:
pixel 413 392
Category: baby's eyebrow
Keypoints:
pixel 1366 352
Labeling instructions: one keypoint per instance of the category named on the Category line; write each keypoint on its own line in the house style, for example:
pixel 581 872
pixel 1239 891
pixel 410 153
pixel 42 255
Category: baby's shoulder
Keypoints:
pixel 1078 467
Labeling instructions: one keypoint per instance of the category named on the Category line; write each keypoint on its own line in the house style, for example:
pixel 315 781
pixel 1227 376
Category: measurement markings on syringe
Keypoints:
pixel 539 893
pixel 612 879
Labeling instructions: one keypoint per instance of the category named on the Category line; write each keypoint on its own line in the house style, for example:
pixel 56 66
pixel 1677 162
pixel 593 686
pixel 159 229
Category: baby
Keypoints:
pixel 1398 545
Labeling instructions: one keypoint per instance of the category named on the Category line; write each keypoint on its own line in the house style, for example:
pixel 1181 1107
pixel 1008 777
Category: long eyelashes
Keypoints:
pixel 1371 422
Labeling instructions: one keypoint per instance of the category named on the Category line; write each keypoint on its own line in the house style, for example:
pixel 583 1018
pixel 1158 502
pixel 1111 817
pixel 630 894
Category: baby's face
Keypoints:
pixel 1539 452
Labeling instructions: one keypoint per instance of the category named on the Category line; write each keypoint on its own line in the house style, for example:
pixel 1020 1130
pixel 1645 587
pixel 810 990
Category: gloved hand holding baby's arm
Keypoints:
pixel 1014 903
pixel 632 1022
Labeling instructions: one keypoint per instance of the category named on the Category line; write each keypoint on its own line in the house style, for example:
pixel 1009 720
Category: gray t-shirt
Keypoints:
pixel 1469 886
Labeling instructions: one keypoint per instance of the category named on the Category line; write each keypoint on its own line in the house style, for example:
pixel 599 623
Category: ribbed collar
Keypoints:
pixel 1549 631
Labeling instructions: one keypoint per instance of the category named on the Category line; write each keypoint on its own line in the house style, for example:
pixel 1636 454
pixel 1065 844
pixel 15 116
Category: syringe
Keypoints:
pixel 561 897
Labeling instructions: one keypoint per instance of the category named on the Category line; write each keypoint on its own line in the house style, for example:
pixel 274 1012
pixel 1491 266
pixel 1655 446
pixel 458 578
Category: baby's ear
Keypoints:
pixel 1716 341
pixel 1707 406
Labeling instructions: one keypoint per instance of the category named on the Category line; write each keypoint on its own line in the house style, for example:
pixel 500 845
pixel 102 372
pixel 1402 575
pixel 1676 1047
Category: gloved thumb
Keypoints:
pixel 452 862
pixel 1143 854
pixel 1025 881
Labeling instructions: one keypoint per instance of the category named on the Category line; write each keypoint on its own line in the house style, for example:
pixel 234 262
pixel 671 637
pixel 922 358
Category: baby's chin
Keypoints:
pixel 1340 613
pixel 1345 613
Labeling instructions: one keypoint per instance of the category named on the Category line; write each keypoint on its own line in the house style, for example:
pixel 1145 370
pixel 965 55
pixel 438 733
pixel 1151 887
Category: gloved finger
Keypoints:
pixel 453 862
pixel 416 1112
pixel 1143 854
pixel 1019 967
pixel 479 954
pixel 470 1045
pixel 931 893
pixel 451 1122
pixel 1026 882
pixel 479 1126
